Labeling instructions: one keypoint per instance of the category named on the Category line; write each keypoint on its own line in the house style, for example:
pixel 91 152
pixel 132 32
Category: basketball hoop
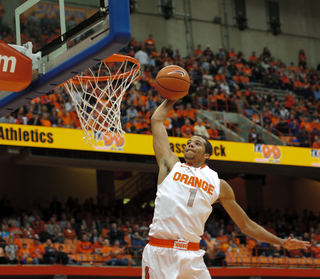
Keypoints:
pixel 97 95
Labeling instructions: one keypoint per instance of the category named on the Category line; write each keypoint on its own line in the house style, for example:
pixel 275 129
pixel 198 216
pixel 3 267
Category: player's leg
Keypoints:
pixel 192 266
pixel 159 263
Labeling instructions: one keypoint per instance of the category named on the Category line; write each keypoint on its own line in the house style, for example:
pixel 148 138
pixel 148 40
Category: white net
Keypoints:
pixel 97 96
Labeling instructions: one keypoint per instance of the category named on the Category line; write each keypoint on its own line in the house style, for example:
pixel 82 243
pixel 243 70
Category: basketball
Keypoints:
pixel 173 82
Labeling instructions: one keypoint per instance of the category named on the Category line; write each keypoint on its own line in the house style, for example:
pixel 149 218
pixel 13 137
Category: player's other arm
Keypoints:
pixel 165 157
pixel 249 227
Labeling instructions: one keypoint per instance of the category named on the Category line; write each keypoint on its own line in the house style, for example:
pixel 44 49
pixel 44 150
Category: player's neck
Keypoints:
pixel 195 164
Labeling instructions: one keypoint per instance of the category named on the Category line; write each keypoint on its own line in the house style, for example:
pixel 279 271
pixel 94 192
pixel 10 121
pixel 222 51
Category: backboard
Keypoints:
pixel 68 37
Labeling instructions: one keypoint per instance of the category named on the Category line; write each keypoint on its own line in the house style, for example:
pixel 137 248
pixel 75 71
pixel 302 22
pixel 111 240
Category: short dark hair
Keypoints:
pixel 208 146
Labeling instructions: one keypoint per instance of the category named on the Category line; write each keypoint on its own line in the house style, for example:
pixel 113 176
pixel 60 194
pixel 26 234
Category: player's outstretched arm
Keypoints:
pixel 165 158
pixel 249 227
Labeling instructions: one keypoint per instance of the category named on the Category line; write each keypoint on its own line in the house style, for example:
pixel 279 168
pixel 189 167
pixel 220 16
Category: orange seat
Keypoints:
pixel 26 240
pixel 246 260
pixel 279 261
pixel 293 261
pixel 94 258
pixel 231 260
pixel 68 241
pixel 70 248
pixel 81 257
pixel 57 245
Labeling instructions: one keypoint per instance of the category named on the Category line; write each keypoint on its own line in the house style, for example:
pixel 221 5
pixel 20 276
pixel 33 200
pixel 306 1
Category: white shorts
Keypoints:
pixel 169 263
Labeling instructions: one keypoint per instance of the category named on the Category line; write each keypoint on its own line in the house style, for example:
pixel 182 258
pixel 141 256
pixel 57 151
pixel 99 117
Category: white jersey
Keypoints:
pixel 183 202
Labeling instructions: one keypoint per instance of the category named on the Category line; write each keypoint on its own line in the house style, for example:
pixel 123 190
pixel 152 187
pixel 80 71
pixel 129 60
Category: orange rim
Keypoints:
pixel 113 58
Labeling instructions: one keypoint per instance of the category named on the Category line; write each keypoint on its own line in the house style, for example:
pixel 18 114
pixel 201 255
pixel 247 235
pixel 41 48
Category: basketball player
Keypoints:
pixel 185 194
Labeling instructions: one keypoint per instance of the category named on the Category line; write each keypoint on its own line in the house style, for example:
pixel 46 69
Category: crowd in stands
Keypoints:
pixel 70 233
pixel 220 81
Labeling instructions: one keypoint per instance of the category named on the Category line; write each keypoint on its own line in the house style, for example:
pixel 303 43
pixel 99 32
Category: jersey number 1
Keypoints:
pixel 192 196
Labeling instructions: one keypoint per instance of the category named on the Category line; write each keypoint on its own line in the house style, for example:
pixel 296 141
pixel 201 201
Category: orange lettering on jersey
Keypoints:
pixel 205 186
pixel 177 176
pixel 191 181
pixel 198 182
pixel 194 181
pixel 210 189
pixel 184 178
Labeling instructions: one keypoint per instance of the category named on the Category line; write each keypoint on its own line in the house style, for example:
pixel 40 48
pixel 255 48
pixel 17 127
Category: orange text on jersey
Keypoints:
pixel 194 181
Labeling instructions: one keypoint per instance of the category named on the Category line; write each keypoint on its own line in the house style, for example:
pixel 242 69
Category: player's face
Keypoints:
pixel 195 150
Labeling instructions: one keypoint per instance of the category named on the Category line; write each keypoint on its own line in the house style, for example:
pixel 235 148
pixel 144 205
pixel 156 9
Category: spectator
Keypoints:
pixel 49 255
pixel 36 250
pixel 45 235
pixel 255 137
pixel 221 134
pixel 17 233
pixel 84 246
pixel 200 128
pixel 61 256
pixel 89 223
pixel 218 256
pixel 11 251
pixel 24 254
pixel 98 245
pixel 27 231
pixel 137 245
pixel 222 238
pixel 302 59
pixel 315 250
pixel 106 252
pixel 187 125
pixel 69 232
pixel 53 224
pixel 303 137
pixel 4 233
pixel 259 249
pixel 56 236
pixel 143 58
pixel 115 234
pixel 149 44
pixel 117 255
pixel 7 119
pixel 316 143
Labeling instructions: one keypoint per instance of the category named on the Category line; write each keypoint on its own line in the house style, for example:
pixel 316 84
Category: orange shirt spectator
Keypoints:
pixel 74 118
pixel 69 232
pixel 232 53
pixel 285 79
pixel 16 231
pixel 315 251
pixel 149 42
pixel 307 125
pixel 255 118
pixel 187 133
pixel 292 68
pixel 244 79
pixel 222 238
pixel 198 51
pixel 106 251
pixel 171 113
pixel 219 77
pixel 213 133
pixel 65 116
pixel 97 246
pixel 248 71
pixel 316 145
pixel 187 125
pixel 24 253
pixel 253 57
pixel 190 113
pixel 28 232
pixel 275 120
pixel 36 249
pixel 117 251
pixel 236 78
pixel 297 84
pixel 239 66
pixel 289 101
pixel 84 246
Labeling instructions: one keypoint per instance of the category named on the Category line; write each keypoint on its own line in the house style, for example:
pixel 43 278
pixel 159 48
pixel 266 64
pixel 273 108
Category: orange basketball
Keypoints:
pixel 172 82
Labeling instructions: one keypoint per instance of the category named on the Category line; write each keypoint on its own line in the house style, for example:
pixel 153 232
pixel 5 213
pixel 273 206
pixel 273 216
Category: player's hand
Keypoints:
pixel 291 244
